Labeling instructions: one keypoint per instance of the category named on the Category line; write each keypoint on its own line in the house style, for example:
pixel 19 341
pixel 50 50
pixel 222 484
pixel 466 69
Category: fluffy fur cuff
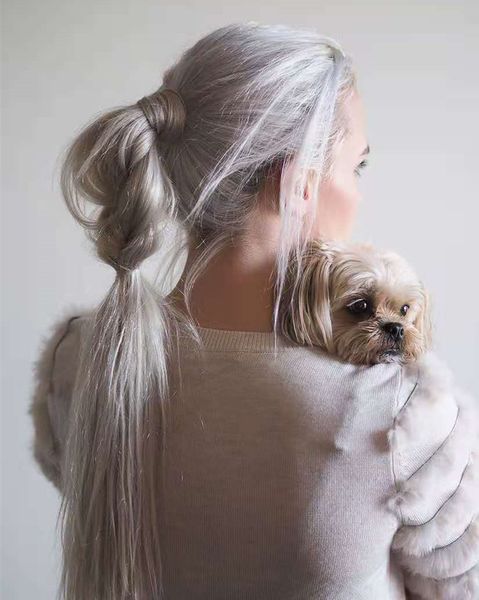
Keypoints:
pixel 434 445
pixel 53 376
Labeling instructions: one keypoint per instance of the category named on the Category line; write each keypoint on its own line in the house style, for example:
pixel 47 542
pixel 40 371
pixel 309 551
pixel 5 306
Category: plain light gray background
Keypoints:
pixel 65 61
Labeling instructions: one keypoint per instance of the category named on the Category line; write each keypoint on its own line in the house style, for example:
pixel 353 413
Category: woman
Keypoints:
pixel 199 453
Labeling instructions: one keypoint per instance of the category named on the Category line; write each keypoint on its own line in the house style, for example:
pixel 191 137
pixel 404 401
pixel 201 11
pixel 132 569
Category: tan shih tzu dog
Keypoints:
pixel 361 304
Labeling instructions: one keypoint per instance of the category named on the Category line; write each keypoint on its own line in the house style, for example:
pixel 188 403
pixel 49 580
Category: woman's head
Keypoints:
pixel 338 196
pixel 339 193
pixel 245 104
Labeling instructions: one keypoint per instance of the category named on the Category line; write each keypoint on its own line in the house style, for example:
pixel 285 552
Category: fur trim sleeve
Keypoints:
pixel 53 379
pixel 434 445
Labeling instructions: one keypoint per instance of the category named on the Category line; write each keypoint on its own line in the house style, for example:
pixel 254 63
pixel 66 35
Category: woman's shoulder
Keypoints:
pixel 57 358
pixel 261 360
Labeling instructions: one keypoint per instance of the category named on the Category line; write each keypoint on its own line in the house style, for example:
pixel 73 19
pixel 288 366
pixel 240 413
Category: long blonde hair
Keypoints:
pixel 195 153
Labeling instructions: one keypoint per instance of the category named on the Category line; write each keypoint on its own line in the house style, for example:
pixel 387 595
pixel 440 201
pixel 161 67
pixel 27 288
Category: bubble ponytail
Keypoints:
pixel 111 491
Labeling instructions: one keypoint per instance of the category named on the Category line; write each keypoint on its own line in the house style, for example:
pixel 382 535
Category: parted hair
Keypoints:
pixel 242 101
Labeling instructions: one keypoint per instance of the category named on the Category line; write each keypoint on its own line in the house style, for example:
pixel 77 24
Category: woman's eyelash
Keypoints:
pixel 361 165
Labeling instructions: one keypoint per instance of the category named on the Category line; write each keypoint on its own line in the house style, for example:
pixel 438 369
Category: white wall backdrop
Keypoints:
pixel 64 61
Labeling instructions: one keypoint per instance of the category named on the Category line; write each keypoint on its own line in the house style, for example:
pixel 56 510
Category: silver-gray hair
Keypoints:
pixel 244 99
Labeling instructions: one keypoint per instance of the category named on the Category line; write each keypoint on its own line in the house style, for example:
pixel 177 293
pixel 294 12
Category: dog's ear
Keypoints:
pixel 423 321
pixel 306 309
pixel 318 299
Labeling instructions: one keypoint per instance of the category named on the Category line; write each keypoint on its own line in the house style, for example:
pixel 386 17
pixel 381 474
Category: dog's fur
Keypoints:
pixel 314 305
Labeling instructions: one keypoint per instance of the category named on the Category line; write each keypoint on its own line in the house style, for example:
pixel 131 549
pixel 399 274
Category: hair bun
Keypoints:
pixel 165 111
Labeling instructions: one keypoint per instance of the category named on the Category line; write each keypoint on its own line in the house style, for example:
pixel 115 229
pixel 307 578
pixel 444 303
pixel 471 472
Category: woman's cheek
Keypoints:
pixel 338 206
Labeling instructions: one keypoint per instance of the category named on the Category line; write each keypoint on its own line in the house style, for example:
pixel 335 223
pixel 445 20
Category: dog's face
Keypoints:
pixel 361 304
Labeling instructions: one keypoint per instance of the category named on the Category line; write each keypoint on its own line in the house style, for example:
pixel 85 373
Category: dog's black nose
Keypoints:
pixel 395 330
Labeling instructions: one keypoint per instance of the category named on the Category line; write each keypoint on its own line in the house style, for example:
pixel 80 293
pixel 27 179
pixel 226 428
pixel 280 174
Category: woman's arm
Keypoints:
pixel 435 460
pixel 54 375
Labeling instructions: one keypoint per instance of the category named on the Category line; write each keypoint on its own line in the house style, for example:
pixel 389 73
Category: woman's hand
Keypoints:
pixel 435 461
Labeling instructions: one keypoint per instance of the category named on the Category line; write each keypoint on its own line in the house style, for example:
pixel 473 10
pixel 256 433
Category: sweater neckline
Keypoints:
pixel 242 341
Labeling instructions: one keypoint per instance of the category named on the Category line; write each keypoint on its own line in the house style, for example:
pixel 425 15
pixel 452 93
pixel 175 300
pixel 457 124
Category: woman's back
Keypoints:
pixel 277 468
pixel 278 473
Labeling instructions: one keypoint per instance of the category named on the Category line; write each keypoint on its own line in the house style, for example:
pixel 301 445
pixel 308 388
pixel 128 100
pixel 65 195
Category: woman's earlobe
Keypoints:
pixel 311 185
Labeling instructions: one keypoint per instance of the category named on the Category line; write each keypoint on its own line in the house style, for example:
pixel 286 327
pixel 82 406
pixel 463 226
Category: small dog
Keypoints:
pixel 356 302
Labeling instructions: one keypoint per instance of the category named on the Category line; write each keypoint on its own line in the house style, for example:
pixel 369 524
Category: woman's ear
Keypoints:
pixel 300 184
pixel 308 188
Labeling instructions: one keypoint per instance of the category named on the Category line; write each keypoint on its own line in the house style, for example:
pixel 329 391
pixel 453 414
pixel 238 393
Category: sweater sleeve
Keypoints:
pixel 434 445
pixel 53 380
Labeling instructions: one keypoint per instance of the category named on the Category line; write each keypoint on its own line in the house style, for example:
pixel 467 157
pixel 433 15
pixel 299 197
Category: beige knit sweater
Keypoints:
pixel 291 475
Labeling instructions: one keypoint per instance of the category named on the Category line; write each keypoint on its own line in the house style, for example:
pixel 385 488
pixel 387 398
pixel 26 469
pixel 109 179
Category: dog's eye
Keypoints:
pixel 404 309
pixel 359 306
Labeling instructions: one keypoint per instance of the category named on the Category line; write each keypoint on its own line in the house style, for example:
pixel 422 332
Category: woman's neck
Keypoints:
pixel 235 291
